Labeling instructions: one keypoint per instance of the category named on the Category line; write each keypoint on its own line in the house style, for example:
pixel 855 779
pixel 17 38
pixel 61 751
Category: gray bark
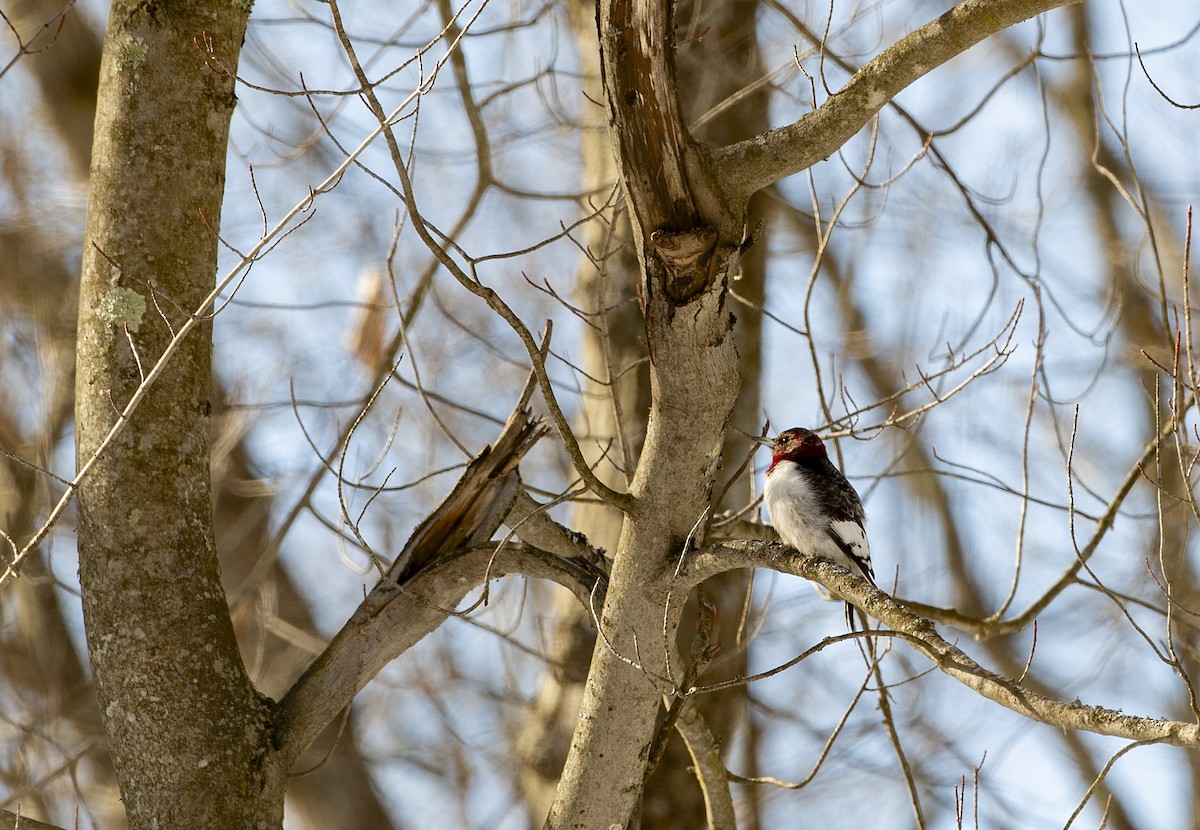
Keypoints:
pixel 687 246
pixel 186 728
pixel 723 103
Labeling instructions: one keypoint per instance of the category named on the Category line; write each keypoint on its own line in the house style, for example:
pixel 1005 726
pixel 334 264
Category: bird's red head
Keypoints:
pixel 796 444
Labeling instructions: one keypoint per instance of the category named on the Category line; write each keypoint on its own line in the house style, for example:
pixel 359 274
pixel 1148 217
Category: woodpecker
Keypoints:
pixel 813 507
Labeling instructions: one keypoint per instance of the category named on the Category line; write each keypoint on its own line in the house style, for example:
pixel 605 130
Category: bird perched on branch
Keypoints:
pixel 813 507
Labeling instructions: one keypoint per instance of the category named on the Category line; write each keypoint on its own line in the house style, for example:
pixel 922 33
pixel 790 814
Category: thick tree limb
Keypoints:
pixel 749 166
pixel 397 613
pixel 529 520
pixel 921 634
pixel 365 645
pixel 13 821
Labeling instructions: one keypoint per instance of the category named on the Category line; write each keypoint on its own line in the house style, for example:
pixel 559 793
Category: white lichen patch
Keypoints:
pixel 122 307
pixel 132 53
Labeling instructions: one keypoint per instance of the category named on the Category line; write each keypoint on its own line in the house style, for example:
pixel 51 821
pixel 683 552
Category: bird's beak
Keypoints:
pixel 760 439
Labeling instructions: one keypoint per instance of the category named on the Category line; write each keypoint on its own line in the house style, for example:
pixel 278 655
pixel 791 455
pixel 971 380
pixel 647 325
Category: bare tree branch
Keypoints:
pixel 708 766
pixel 921 634
pixel 994 626
pixel 751 165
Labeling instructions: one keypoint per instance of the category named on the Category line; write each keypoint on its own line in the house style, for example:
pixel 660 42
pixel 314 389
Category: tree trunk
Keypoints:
pixel 184 723
pixel 721 65
pixel 687 244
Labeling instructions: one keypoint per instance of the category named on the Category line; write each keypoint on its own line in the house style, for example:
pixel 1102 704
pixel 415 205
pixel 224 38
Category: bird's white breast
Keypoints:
pixel 796 515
